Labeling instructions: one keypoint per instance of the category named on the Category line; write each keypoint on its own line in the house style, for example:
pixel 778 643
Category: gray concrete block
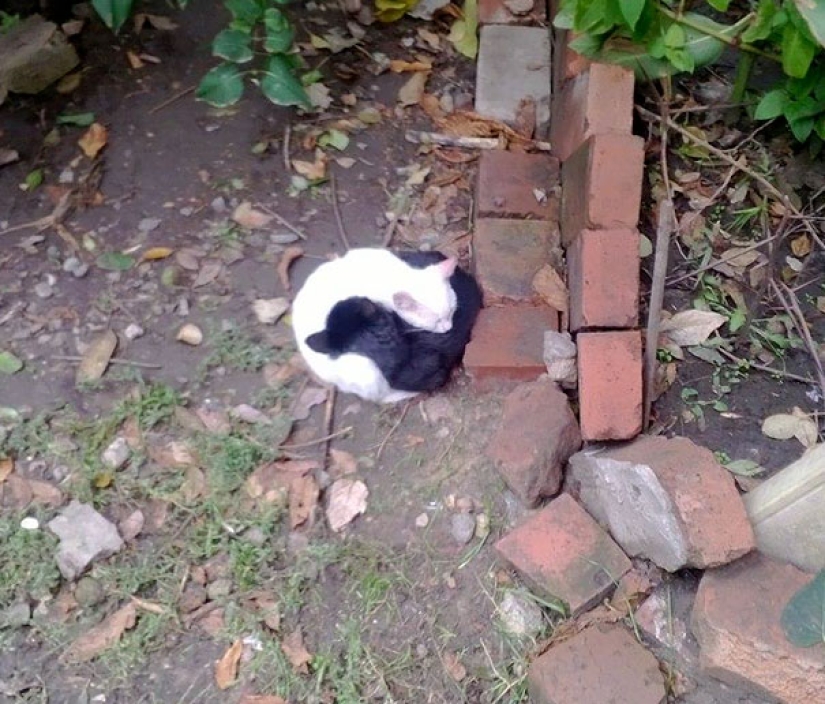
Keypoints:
pixel 513 64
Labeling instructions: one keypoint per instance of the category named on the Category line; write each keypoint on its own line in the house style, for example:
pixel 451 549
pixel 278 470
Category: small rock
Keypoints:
pixel 519 7
pixel 520 616
pixel 422 520
pixel 218 204
pixel 187 211
pixel 148 224
pixel 30 523
pixel 270 310
pixel 255 536
pixel 190 334
pixel 560 358
pixel 89 592
pixel 133 331
pixel 75 267
pixel 17 615
pixel 182 307
pixel 193 597
pixel 85 536
pixel 117 454
pixel 43 290
pixel 425 9
pixel 219 588
pixel 462 527
pixel 437 408
pixel 66 176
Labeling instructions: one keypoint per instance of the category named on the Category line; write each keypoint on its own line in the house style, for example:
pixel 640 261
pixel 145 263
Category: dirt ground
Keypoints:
pixel 399 606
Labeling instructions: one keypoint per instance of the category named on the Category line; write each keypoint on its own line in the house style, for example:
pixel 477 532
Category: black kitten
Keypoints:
pixel 410 359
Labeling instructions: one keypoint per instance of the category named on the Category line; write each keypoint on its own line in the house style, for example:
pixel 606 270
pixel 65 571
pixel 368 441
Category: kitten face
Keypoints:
pixel 433 304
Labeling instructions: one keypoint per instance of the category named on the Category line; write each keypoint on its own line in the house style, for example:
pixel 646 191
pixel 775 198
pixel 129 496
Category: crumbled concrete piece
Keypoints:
pixel 133 331
pixel 462 527
pixel 520 616
pixel 560 358
pixel 117 454
pixel 85 536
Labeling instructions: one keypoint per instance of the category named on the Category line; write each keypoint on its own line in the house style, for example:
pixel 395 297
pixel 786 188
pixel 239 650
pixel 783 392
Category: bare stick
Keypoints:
pixel 392 430
pixel 448 140
pixel 283 221
pixel 287 135
pixel 310 443
pixel 328 414
pixel 342 231
pixel 113 360
pixel 169 101
pixel 47 221
pixel 388 235
pixel 765 368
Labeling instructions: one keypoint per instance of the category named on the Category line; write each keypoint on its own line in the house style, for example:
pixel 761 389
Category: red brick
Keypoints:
pixel 508 342
pixel 603 278
pixel 602 185
pixel 508 253
pixel 562 553
pixel 496 12
pixel 736 619
pixel 536 436
pixel 507 181
pixel 604 664
pixel 567 63
pixel 597 101
pixel 610 384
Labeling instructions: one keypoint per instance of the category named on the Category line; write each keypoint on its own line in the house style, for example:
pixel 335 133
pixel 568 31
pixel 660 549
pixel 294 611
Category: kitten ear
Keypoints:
pixel 447 267
pixel 403 301
pixel 319 342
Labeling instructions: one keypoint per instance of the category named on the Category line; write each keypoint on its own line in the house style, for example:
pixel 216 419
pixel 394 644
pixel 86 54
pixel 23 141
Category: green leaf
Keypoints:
pixel 115 261
pixel 82 119
pixel 813 12
pixel 771 105
pixel 721 5
pixel 9 364
pixel 245 13
pixel 803 618
pixel 797 52
pixel 279 32
pixel 737 319
pixel 631 11
pixel 310 77
pixel 801 128
pixel 113 12
pixel 763 24
pixel 233 45
pixel 335 139
pixel 33 180
pixel 222 86
pixel 675 37
pixel 280 85
pixel 464 32
pixel 744 468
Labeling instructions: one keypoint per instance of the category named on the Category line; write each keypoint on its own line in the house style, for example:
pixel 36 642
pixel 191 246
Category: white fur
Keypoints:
pixel 379 275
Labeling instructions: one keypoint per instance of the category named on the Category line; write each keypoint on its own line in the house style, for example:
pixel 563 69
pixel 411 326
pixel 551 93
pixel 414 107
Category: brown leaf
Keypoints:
pixel 262 699
pixel 431 106
pixel 208 273
pixel 290 255
pixel 347 499
pixel 342 463
pixel 6 468
pixel 293 647
pixel 268 608
pixel 173 454
pixel 134 60
pixel 398 66
pixel 411 92
pixel 155 253
pixel 194 485
pixel 161 22
pixel 15 492
pixel 93 140
pixel 188 258
pixel 226 669
pixel 149 606
pixel 96 358
pixel 303 498
pixel 246 216
pixel 45 493
pixel 801 246
pixel 453 666
pixel 132 433
pixel 312 170
pixel 215 419
pixel 550 286
pixel 102 637
pixel 306 401
pixel 272 481
pixel 130 527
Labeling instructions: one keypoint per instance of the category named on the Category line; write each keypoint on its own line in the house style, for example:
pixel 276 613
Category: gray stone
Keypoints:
pixel 33 55
pixel 75 267
pixel 88 592
pixel 117 454
pixel 787 514
pixel 43 290
pixel 133 331
pixel 85 536
pixel 513 65
pixel 148 224
pixel 462 527
pixel 425 9
pixel 16 615
pixel 520 616
pixel 560 358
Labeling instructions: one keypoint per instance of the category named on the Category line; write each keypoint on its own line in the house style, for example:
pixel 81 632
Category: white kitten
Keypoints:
pixel 422 297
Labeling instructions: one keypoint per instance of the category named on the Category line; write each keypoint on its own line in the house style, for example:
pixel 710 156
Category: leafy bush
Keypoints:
pixel 659 38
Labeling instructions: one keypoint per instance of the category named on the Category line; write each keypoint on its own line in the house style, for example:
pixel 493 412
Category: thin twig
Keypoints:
pixel 287 135
pixel 328 417
pixel 392 430
pixel 765 368
pixel 169 101
pixel 283 221
pixel 390 231
pixel 51 220
pixel 113 360
pixel 448 140
pixel 310 443
pixel 724 258
pixel 342 231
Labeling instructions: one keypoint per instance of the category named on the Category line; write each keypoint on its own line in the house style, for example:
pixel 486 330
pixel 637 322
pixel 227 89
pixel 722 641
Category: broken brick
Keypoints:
pixel 498 12
pixel 562 553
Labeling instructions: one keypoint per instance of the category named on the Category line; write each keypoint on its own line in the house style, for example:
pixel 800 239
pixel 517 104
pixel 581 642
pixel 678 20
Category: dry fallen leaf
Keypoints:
pixel 308 399
pixel 347 499
pixel 130 527
pixel 342 463
pixel 262 699
pixel 312 170
pixel 691 327
pixel 411 92
pixel 45 493
pixel 293 647
pixel 134 60
pixel 209 271
pixel 801 246
pixel 155 253
pixel 453 666
pixel 6 468
pixel 270 310
pixel 93 140
pixel 194 485
pixel 290 255
pixel 96 358
pixel 102 637
pixel 551 287
pixel 797 424
pixel 303 498
pixel 226 669
pixel 246 216
pixel 398 66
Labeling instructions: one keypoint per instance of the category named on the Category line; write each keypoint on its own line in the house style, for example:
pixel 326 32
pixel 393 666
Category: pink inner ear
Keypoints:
pixel 404 301
pixel 447 267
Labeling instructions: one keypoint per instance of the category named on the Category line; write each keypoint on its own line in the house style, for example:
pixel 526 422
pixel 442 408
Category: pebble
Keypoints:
pixel 89 592
pixel 43 290
pixel 255 536
pixel 218 204
pixel 66 176
pixel 133 331
pixel 75 267
pixel 462 527
pixel 187 211
pixel 148 224
pixel 117 454
pixel 520 615
pixel 422 520
pixel 84 535
pixel 30 523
